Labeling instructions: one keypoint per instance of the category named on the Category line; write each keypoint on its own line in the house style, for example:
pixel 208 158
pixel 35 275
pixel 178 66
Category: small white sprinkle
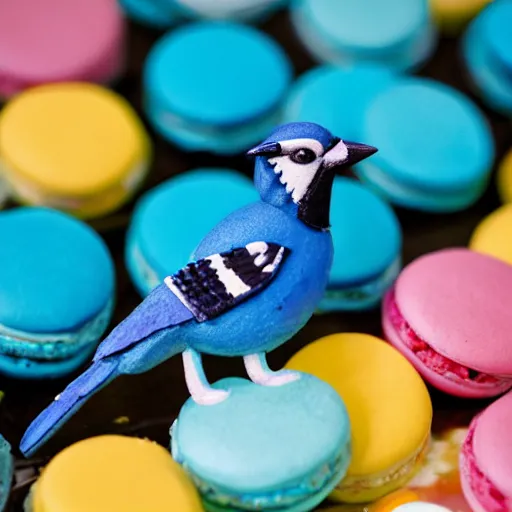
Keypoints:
pixel 57 398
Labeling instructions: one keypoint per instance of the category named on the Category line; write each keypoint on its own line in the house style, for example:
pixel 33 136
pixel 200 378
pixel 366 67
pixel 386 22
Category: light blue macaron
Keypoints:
pixel 281 448
pixel 367 248
pixel 215 86
pixel 435 147
pixel 395 33
pixel 154 13
pixel 6 472
pixel 487 48
pixel 56 292
pixel 238 10
pixel 170 220
pixel 336 97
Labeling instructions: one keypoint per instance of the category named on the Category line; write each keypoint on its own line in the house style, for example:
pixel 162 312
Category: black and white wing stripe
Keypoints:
pixel 212 285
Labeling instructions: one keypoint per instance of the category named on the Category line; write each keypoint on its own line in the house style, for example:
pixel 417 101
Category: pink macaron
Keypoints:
pixel 486 459
pixel 59 40
pixel 449 314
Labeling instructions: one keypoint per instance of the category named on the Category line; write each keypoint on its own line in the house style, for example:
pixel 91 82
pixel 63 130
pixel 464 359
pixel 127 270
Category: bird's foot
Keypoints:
pixel 259 372
pixel 200 390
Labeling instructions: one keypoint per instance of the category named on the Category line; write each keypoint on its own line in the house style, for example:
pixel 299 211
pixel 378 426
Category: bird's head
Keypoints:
pixel 295 168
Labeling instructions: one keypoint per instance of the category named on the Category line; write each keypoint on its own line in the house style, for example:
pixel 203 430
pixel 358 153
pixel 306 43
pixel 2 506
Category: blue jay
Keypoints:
pixel 255 281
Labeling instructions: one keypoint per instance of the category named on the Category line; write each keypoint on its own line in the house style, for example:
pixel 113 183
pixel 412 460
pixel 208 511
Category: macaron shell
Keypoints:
pixel 276 436
pixel 505 178
pixel 114 473
pixel 72 139
pixel 58 40
pixel 493 236
pixel 388 404
pixel 6 471
pixel 369 24
pixel 457 301
pixel 366 233
pixel 56 272
pixel 334 97
pixel 420 151
pixel 492 444
pixel 453 14
pixel 497 31
pixel 217 73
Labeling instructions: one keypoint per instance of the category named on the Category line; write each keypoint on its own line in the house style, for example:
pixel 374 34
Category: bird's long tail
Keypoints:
pixel 67 403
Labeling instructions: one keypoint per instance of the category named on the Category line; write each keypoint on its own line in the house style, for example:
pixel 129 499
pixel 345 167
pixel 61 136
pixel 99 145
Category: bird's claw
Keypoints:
pixel 278 378
pixel 211 397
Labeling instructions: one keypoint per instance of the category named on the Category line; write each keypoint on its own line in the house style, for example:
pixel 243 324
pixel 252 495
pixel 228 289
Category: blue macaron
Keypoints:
pixel 335 97
pixel 240 10
pixel 154 13
pixel 6 471
pixel 487 49
pixel 215 86
pixel 170 221
pixel 56 292
pixel 395 33
pixel 265 448
pixel 367 248
pixel 435 147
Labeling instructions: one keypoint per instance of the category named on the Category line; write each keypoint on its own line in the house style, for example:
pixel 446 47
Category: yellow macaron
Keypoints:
pixel 108 473
pixel 389 408
pixel 504 180
pixel 453 15
pixel 493 235
pixel 76 147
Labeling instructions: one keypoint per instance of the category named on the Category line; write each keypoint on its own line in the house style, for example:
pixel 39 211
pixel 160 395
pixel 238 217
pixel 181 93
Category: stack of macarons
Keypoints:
pixel 215 86
pixel 487 50
pixel 45 41
pixel 56 293
pixel 76 147
pixel 395 33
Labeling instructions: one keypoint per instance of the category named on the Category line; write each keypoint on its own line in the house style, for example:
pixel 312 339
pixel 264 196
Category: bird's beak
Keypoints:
pixel 346 154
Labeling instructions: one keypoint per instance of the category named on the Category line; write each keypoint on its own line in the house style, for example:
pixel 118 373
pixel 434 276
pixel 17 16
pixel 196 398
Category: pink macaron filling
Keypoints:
pixel 428 356
pixel 483 490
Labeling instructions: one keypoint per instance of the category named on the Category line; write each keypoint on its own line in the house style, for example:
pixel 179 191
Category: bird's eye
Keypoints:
pixel 303 156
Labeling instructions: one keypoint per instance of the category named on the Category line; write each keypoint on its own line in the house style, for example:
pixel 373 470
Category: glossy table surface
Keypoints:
pixel 146 405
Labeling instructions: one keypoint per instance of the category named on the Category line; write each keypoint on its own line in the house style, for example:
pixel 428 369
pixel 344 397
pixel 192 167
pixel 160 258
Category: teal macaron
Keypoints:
pixel 154 13
pixel 367 248
pixel 487 50
pixel 56 292
pixel 436 149
pixel 240 10
pixel 215 86
pixel 264 448
pixel 170 221
pixel 335 97
pixel 395 33
pixel 6 471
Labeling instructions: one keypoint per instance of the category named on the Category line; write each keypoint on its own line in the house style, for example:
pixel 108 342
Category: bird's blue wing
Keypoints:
pixel 202 290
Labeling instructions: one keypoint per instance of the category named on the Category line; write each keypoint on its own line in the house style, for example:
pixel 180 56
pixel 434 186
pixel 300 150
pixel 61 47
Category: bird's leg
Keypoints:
pixel 259 372
pixel 200 390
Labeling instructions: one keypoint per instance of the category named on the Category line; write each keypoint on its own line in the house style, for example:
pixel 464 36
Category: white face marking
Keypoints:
pixel 298 177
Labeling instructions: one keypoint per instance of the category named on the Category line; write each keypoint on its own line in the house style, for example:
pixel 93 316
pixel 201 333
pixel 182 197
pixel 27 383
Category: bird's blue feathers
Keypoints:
pixel 66 404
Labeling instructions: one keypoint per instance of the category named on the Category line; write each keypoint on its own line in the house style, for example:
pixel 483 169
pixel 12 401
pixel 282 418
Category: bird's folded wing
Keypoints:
pixel 202 290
